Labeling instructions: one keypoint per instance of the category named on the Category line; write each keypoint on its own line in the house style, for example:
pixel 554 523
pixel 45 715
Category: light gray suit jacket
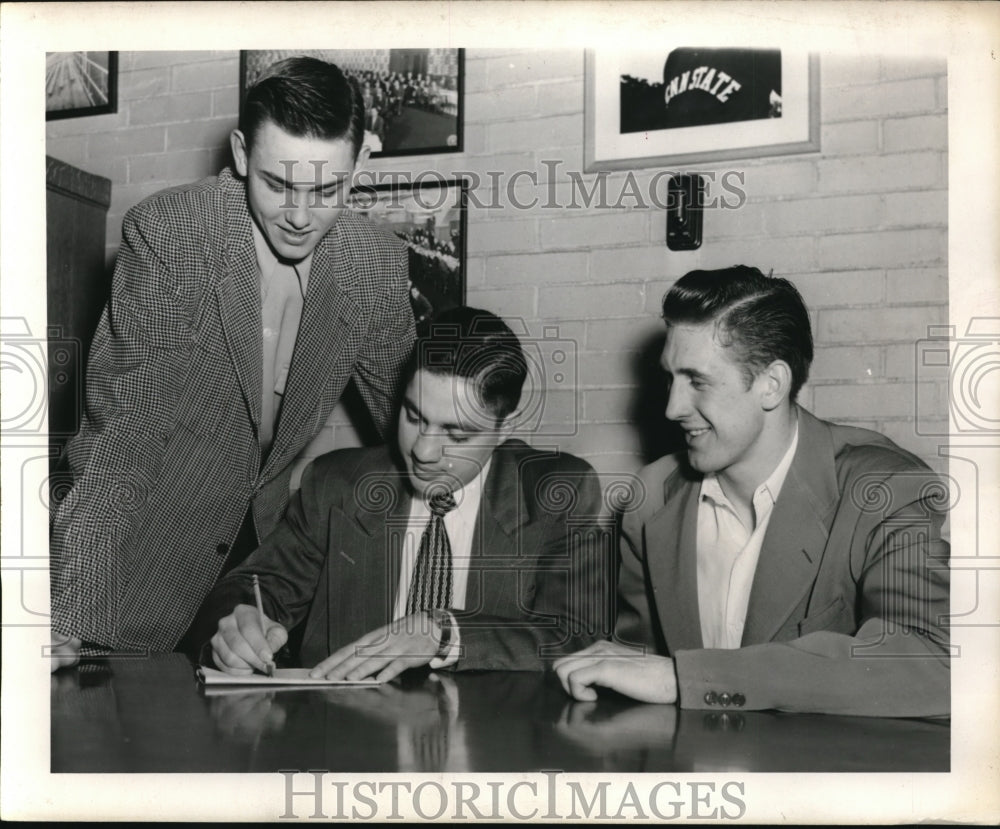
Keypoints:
pixel 848 611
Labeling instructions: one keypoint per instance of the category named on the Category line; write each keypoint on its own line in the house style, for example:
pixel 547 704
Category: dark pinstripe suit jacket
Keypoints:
pixel 167 458
pixel 538 572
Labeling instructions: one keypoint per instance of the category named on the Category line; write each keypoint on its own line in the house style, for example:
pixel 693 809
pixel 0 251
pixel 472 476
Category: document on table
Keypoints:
pixel 282 676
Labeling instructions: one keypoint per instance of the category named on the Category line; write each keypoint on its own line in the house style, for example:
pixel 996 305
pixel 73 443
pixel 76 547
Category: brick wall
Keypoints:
pixel 175 112
pixel 861 227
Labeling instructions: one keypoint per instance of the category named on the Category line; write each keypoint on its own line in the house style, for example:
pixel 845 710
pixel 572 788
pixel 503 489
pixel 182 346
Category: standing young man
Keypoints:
pixel 781 561
pixel 240 307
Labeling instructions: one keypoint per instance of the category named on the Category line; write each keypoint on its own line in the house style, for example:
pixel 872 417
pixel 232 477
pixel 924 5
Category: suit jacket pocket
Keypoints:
pixel 837 617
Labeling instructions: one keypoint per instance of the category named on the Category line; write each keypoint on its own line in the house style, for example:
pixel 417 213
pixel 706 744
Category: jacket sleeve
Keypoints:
pixel 377 369
pixel 569 605
pixel 139 361
pixel 896 663
pixel 288 564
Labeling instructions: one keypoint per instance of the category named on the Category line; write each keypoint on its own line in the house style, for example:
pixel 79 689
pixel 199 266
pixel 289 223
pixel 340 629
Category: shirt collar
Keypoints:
pixel 776 480
pixel 467 497
pixel 267 261
pixel 712 489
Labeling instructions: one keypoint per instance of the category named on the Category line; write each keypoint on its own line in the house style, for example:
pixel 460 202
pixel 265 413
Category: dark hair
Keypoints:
pixel 305 97
pixel 473 343
pixel 762 318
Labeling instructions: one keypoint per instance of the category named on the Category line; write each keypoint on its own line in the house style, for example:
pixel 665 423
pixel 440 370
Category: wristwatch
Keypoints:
pixel 443 619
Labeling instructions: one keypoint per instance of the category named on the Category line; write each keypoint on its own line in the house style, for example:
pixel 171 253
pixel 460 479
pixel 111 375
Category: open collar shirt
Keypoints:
pixel 282 295
pixel 728 551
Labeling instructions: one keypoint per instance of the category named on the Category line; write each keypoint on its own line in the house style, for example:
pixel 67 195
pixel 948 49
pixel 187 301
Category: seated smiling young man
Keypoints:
pixel 456 550
pixel 781 561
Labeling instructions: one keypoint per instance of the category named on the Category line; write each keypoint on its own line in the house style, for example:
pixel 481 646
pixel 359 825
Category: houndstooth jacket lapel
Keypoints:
pixel 239 297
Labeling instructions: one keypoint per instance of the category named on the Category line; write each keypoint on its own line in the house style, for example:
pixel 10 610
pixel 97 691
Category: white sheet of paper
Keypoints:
pixel 282 676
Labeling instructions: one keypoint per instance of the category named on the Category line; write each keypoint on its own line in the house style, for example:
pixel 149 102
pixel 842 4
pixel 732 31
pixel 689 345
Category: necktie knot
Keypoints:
pixel 441 503
pixel 432 578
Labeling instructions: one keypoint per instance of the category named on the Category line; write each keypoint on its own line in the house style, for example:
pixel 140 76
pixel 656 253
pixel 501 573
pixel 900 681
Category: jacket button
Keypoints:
pixel 711 698
pixel 739 700
pixel 222 549
pixel 724 698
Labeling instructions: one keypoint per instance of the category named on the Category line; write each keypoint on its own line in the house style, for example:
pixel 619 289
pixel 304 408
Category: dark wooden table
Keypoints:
pixel 151 715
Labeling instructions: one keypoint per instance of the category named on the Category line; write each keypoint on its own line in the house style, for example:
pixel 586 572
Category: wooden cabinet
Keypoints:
pixel 78 285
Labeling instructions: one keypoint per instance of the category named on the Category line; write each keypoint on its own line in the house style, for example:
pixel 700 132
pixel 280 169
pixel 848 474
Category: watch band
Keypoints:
pixel 444 621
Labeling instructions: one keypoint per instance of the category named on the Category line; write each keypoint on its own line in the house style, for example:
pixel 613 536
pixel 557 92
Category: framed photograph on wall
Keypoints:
pixel 430 218
pixel 694 104
pixel 80 83
pixel 413 97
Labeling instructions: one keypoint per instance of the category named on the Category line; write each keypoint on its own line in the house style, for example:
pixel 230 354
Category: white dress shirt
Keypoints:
pixel 460 524
pixel 728 551
pixel 282 295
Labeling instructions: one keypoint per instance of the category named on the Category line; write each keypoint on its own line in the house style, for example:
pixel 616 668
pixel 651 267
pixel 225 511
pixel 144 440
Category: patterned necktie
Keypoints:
pixel 431 584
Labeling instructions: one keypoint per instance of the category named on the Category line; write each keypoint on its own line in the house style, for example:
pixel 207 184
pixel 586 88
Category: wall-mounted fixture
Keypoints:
pixel 685 203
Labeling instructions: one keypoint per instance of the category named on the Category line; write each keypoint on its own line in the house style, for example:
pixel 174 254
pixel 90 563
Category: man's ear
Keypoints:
pixel 362 160
pixel 238 144
pixel 506 426
pixel 775 384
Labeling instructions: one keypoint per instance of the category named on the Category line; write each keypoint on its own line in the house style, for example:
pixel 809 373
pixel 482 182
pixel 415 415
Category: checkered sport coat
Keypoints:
pixel 167 459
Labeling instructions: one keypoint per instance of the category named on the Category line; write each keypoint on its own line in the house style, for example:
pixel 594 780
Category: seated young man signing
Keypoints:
pixel 454 548
pixel 781 561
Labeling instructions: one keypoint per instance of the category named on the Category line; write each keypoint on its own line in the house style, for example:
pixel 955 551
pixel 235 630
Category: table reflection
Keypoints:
pixel 152 715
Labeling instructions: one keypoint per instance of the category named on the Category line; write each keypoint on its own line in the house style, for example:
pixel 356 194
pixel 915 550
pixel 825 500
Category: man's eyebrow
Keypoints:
pixel 690 373
pixel 474 429
pixel 462 428
pixel 283 182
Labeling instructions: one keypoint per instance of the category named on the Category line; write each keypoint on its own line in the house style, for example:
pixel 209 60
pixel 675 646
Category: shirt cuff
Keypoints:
pixel 450 657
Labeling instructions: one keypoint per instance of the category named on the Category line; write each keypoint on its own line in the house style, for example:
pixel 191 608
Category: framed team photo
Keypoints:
pixel 413 97
pixel 430 218
pixel 695 104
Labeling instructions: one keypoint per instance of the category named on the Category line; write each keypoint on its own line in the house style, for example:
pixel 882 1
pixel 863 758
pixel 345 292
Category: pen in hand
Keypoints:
pixel 263 619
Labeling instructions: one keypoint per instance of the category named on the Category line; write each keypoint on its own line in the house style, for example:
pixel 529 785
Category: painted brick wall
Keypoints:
pixel 175 112
pixel 861 227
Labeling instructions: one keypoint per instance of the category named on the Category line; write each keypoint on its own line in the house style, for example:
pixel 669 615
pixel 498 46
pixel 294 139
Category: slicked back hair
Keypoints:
pixel 476 344
pixel 305 97
pixel 761 318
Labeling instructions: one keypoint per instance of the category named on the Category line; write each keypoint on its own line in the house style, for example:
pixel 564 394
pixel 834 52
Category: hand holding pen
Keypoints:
pixel 269 663
pixel 247 639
